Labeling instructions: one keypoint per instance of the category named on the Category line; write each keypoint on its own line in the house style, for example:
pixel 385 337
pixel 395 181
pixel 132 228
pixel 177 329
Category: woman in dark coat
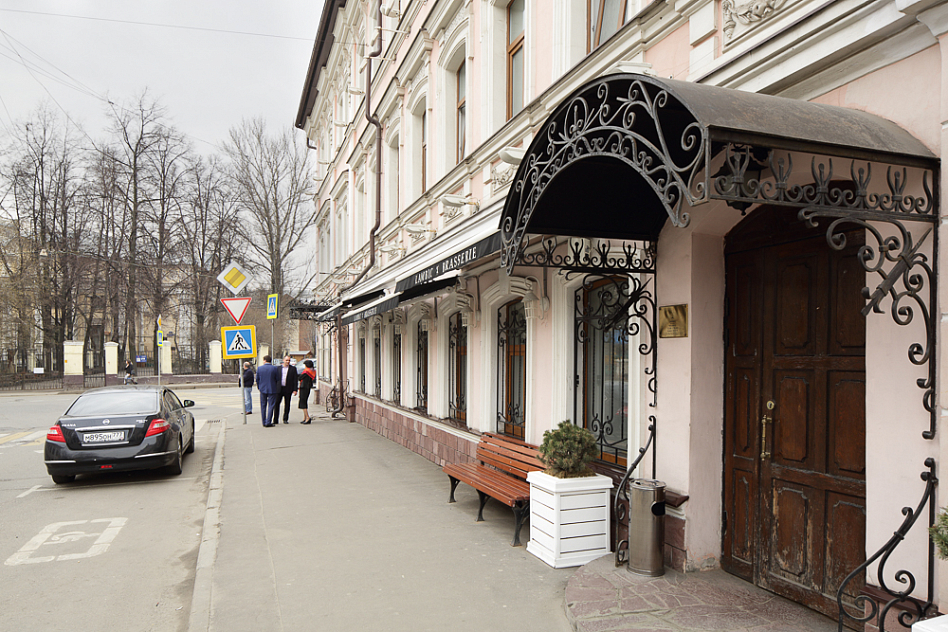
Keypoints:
pixel 307 377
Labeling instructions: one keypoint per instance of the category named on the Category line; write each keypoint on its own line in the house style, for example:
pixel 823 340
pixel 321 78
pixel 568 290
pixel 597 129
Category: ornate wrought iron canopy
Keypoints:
pixel 625 153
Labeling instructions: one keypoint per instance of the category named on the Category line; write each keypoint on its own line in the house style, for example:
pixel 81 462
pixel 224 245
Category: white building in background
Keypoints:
pixel 655 219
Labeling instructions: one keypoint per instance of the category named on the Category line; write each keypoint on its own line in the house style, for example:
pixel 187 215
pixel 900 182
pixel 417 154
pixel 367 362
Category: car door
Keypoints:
pixel 173 411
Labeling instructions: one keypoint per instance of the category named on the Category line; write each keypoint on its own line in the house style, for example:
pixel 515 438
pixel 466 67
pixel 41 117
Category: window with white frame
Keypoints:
pixel 461 119
pixel 418 155
pixel 397 364
pixel 602 364
pixel 424 150
pixel 421 365
pixel 358 219
pixel 512 369
pixel 516 21
pixel 457 367
pixel 604 18
pixel 324 256
pixel 340 231
pixel 392 201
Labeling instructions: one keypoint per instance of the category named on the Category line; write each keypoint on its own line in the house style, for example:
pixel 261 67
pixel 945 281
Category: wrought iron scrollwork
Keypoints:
pixel 914 610
pixel 854 202
pixel 620 501
pixel 904 282
pixel 852 195
pixel 602 256
pixel 631 120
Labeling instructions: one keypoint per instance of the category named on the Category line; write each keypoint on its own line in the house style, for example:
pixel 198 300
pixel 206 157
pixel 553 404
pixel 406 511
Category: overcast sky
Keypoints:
pixel 234 59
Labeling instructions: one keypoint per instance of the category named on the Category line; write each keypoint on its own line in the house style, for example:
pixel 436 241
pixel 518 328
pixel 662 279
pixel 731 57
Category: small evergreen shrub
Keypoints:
pixel 939 534
pixel 567 451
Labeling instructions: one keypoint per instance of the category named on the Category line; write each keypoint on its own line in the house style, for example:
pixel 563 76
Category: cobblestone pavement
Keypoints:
pixel 601 597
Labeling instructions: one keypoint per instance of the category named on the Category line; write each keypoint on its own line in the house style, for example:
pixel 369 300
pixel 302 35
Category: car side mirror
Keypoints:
pixel 188 403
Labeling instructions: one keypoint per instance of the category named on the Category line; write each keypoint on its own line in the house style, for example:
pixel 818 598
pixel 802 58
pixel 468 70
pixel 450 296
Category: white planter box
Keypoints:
pixel 569 518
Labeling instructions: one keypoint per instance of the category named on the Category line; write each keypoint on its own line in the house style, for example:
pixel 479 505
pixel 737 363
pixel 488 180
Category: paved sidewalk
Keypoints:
pixel 331 527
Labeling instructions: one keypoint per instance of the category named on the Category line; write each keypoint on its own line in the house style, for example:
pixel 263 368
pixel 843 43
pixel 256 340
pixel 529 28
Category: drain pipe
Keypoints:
pixel 373 120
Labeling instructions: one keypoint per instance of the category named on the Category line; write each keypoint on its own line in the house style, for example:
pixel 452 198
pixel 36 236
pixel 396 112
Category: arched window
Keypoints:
pixel 601 361
pixel 457 367
pixel 512 369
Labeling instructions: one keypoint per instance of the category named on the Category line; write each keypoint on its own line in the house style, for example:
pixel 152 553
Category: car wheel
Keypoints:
pixel 60 479
pixel 175 468
pixel 190 448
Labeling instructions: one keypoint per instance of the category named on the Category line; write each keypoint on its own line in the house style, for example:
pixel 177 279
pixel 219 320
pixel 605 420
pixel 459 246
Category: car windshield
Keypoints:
pixel 114 403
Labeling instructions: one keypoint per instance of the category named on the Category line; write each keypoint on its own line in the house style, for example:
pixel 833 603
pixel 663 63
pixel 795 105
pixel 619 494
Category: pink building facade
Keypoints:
pixel 707 231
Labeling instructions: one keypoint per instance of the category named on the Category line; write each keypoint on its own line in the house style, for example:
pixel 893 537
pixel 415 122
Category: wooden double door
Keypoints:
pixel 794 462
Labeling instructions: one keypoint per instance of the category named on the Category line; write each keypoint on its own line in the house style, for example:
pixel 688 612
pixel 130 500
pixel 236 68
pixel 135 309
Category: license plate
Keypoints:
pixel 104 437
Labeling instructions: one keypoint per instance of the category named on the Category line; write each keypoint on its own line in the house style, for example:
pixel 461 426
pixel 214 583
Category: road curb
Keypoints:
pixel 200 617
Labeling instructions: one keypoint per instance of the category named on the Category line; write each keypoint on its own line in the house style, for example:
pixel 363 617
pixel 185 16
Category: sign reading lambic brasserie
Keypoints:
pixel 486 246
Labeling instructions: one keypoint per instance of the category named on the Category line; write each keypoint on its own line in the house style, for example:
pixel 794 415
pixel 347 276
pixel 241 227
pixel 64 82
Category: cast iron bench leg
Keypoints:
pixel 521 509
pixel 480 512
pixel 454 486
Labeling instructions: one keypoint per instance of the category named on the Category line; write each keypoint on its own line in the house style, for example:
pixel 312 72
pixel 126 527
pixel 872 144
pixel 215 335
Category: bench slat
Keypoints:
pixel 500 473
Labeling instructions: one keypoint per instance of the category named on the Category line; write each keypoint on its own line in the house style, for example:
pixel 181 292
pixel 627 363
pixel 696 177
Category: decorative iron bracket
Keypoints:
pixel 852 202
pixel 914 610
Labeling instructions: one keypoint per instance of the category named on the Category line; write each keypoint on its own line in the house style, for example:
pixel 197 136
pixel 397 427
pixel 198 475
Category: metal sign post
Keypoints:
pixel 239 343
pixel 235 278
pixel 159 342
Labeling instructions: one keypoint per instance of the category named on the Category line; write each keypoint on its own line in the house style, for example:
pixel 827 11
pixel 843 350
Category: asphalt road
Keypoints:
pixel 107 552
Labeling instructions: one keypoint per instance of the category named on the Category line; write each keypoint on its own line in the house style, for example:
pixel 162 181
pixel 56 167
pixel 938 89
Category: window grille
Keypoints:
pixel 397 365
pixel 601 362
pixel 511 369
pixel 362 362
pixel 457 367
pixel 421 358
pixel 377 357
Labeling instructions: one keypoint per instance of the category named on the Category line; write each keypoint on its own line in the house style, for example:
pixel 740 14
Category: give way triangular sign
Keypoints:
pixel 236 306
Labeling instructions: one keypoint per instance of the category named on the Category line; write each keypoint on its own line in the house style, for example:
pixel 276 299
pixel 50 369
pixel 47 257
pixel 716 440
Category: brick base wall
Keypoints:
pixel 675 556
pixel 440 446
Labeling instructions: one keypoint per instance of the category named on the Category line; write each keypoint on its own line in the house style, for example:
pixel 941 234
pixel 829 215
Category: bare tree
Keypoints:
pixel 207 227
pixel 138 130
pixel 274 183
pixel 44 181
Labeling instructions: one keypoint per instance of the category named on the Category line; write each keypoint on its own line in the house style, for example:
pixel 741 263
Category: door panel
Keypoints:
pixel 791 431
pixel 794 415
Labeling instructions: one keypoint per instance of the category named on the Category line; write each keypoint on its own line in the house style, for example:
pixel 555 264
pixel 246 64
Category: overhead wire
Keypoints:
pixel 33 68
pixel 159 25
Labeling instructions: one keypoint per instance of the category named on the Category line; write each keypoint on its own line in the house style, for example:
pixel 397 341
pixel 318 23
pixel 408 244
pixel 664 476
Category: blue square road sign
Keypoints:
pixel 239 342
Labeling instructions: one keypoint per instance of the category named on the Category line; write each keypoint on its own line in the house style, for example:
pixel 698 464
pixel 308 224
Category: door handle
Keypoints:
pixel 764 453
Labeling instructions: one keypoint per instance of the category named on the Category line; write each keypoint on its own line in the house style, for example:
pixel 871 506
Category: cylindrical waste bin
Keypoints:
pixel 647 527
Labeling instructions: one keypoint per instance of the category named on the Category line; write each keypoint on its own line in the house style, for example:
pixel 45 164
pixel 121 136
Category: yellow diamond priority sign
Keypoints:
pixel 234 278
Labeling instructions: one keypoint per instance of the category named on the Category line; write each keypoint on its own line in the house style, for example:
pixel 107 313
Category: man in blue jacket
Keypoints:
pixel 268 383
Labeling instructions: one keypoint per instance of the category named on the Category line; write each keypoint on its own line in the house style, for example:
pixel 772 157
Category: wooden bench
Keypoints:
pixel 501 473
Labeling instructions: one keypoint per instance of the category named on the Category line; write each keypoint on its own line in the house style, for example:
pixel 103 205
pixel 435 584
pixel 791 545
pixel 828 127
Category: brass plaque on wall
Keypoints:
pixel 673 321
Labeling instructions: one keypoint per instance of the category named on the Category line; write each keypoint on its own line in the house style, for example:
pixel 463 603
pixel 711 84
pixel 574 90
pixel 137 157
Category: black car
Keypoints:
pixel 120 428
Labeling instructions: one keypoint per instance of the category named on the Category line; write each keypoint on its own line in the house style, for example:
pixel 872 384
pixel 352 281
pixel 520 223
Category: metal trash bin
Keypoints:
pixel 647 527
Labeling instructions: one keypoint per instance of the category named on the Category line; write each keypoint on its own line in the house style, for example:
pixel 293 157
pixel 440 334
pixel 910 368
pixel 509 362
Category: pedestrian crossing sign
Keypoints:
pixel 239 342
pixel 272 300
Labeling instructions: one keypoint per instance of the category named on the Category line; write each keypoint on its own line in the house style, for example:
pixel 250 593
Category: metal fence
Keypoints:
pixel 190 360
pixel 25 381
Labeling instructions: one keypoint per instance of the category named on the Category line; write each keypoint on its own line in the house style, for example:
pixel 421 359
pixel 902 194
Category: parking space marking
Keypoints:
pixel 51 535
pixel 30 491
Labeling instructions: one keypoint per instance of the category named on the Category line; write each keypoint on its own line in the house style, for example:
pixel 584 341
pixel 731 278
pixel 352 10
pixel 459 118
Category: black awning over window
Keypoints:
pixel 484 247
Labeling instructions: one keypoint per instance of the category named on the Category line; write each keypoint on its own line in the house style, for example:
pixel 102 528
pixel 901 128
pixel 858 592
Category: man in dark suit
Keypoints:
pixel 289 384
pixel 268 383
